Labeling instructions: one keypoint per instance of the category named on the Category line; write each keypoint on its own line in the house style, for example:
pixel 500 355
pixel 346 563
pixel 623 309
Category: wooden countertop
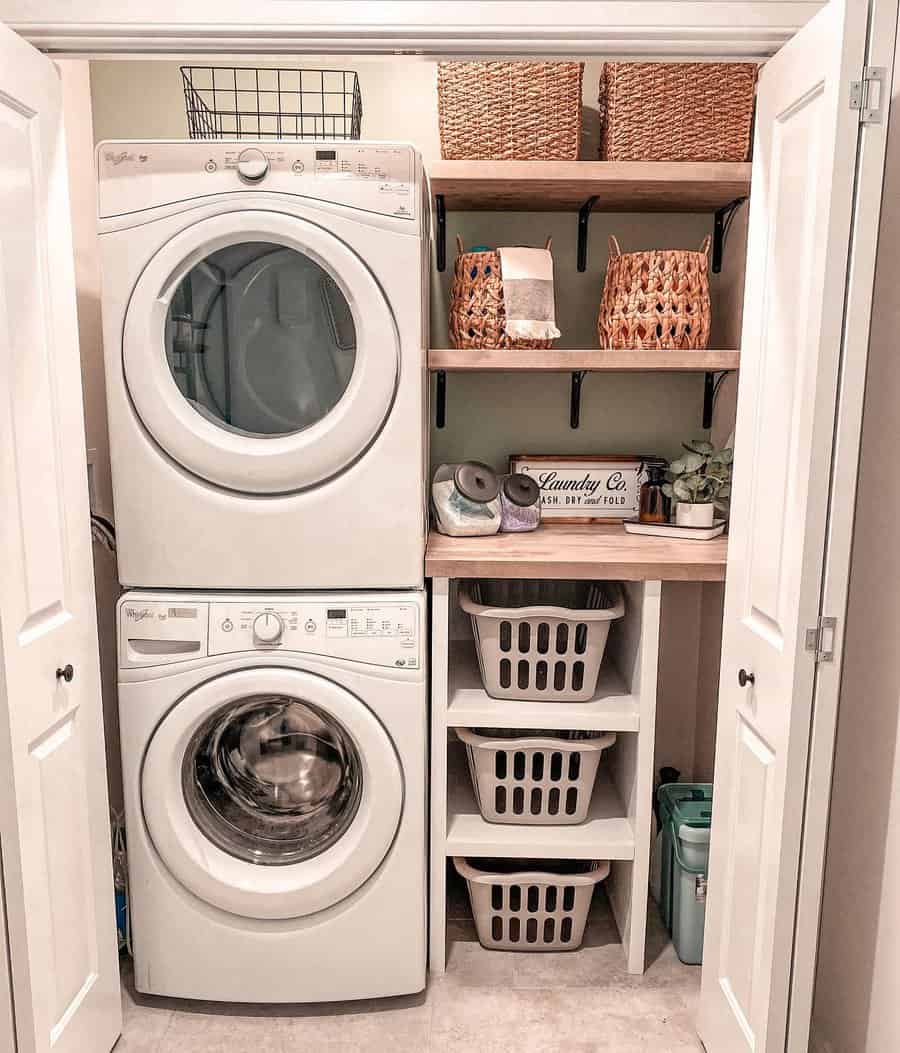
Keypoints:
pixel 575 551
pixel 618 186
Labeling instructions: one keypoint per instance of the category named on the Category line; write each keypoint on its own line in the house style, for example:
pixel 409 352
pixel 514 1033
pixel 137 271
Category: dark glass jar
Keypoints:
pixel 654 507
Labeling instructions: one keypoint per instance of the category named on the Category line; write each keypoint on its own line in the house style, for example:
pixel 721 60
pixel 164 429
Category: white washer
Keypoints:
pixel 264 320
pixel 274 758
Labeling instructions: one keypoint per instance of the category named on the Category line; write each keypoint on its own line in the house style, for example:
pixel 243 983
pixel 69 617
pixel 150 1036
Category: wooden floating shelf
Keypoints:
pixel 613 707
pixel 605 834
pixel 564 186
pixel 554 361
pixel 566 551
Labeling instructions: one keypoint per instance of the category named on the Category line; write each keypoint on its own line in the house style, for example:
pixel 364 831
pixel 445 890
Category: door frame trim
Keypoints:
pixel 726 28
pixel 836 559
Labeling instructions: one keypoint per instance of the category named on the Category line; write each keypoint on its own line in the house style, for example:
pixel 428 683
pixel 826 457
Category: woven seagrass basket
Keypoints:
pixel 655 300
pixel 477 311
pixel 510 111
pixel 676 111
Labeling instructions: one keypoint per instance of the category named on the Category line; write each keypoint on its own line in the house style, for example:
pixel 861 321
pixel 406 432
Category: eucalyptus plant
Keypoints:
pixel 701 476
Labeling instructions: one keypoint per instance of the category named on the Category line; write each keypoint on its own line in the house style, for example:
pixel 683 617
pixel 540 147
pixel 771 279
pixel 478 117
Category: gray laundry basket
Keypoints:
pixel 541 641
pixel 534 778
pixel 530 905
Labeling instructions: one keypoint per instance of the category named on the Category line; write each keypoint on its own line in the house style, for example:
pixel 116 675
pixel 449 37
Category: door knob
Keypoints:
pixel 745 678
pixel 67 673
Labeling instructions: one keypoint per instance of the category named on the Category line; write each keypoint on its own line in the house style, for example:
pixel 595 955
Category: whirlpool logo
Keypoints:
pixel 116 158
pixel 138 614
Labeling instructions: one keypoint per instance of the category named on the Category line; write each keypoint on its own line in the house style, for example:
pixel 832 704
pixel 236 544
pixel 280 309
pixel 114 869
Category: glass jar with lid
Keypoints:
pixel 466 499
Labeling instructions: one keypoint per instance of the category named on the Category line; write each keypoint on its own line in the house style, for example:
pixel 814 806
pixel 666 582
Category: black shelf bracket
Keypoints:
pixel 584 214
pixel 440 399
pixel 575 398
pixel 440 234
pixel 721 226
pixel 711 385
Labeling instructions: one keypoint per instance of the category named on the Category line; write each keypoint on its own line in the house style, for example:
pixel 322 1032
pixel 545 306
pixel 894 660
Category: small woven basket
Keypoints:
pixel 676 111
pixel 656 300
pixel 477 311
pixel 510 111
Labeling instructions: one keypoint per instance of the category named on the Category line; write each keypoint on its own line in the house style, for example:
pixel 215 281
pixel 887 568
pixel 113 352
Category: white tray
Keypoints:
pixel 634 526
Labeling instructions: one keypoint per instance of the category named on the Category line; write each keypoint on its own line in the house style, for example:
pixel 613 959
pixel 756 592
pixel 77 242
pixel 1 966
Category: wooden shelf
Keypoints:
pixel 605 834
pixel 557 361
pixel 563 186
pixel 612 708
pixel 563 551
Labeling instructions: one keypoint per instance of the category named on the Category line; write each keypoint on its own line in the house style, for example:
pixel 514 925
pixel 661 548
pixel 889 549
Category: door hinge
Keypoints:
pixel 867 95
pixel 820 639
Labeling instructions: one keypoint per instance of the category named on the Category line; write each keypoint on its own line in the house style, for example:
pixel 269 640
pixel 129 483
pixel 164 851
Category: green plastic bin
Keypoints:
pixel 681 805
pixel 691 867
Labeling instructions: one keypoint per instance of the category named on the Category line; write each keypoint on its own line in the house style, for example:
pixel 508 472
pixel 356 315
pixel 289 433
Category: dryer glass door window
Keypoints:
pixel 272 780
pixel 260 340
pixel 260 353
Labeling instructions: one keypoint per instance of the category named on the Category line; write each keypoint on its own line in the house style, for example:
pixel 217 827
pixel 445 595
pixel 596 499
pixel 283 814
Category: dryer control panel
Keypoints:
pixel 383 178
pixel 360 627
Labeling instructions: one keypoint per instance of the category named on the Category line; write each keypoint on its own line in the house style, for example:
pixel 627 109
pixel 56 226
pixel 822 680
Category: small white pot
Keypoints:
pixel 690 515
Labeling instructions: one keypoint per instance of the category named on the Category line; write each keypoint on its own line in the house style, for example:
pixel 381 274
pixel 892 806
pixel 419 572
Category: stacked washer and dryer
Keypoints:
pixel 265 311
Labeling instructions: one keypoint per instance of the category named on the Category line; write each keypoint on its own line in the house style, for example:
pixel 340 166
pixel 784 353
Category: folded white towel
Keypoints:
pixel 528 293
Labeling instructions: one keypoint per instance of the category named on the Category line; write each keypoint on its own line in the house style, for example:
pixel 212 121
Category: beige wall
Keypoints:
pixel 857 1008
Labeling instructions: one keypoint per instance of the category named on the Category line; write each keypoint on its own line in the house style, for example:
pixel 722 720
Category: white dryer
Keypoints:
pixel 274 758
pixel 264 319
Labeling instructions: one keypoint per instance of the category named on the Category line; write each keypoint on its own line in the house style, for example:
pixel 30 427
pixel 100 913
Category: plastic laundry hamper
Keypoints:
pixel 530 905
pixel 541 641
pixel 537 778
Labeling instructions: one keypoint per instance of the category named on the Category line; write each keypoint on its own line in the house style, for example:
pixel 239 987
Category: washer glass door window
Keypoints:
pixel 271 793
pixel 272 780
pixel 259 352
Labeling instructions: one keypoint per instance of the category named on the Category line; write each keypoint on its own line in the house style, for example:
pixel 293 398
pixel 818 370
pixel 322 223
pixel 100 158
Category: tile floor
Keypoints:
pixel 489 1002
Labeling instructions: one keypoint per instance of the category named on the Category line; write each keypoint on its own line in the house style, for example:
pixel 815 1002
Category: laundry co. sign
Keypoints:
pixel 584 489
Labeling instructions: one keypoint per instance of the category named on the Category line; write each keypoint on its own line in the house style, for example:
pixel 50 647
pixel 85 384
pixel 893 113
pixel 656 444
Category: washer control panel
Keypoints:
pixel 357 627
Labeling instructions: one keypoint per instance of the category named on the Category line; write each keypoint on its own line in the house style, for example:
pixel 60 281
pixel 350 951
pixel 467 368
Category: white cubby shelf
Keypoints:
pixel 619 823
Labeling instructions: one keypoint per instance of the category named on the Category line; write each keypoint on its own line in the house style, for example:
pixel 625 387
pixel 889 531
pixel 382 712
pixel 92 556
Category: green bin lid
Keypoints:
pixel 686 803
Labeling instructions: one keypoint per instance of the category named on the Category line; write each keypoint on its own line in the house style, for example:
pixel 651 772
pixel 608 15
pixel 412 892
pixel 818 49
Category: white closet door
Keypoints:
pixel 801 214
pixel 53 800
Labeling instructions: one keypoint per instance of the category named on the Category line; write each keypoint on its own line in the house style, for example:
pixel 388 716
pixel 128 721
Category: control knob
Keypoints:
pixel 268 627
pixel 252 165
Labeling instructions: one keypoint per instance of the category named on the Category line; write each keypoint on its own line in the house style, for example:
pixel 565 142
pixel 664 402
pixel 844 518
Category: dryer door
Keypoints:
pixel 259 352
pixel 271 793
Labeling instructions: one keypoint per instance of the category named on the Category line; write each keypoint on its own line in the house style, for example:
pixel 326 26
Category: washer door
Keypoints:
pixel 271 793
pixel 259 352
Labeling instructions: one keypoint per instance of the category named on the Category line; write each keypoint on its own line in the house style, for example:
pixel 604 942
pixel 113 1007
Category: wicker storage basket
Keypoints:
pixel 676 111
pixel 477 313
pixel 510 111
pixel 655 300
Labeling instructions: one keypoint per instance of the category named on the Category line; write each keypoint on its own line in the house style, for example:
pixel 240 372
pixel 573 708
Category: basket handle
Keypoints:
pixel 707 242
pixel 530 877
pixel 459 245
pixel 597 745
pixel 614 251
pixel 548 245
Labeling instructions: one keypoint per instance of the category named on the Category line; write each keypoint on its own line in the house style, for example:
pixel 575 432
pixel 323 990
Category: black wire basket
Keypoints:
pixel 230 102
